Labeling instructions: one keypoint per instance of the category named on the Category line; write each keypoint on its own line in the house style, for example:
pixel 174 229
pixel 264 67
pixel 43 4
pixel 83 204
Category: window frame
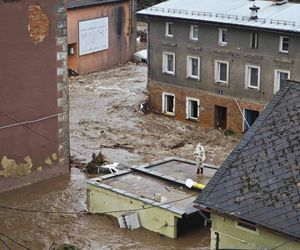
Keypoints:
pixel 281 44
pixel 277 79
pixel 188 109
pixel 167 29
pixel 256 35
pixel 164 106
pixel 218 72
pixel 189 67
pixel 165 63
pixel 248 76
pixel 221 42
pixel 192 32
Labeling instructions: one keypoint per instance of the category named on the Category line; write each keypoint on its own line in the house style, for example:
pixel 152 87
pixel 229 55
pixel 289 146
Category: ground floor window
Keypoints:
pixel 220 117
pixel 249 118
pixel 192 108
pixel 168 103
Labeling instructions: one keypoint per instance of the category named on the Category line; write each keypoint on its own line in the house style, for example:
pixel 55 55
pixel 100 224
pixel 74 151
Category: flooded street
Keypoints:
pixel 104 112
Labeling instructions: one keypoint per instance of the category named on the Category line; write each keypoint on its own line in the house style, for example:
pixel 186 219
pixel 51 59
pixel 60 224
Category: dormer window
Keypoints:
pixel 284 44
pixel 169 29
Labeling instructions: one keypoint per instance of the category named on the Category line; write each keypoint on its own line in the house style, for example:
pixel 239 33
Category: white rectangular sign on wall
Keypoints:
pixel 93 35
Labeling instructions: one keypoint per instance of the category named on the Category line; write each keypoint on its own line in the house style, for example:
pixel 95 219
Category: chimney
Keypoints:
pixel 254 9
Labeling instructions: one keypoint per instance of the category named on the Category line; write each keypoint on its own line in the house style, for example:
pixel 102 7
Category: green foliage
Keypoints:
pixel 229 132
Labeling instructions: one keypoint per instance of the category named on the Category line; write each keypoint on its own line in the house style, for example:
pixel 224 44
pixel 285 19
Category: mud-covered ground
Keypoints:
pixel 105 111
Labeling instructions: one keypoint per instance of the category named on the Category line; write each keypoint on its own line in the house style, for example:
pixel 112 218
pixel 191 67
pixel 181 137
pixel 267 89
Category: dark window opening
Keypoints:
pixel 246 225
pixel 220 117
pixel 250 116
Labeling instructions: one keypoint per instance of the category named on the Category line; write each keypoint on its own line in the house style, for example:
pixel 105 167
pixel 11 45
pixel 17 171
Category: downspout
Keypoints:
pixel 217 240
pixel 244 118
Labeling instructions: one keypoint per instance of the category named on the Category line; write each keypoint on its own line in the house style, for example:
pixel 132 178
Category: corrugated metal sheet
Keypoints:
pixel 270 16
pixel 71 4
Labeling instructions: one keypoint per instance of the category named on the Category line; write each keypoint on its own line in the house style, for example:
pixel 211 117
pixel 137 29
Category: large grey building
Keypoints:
pixel 219 62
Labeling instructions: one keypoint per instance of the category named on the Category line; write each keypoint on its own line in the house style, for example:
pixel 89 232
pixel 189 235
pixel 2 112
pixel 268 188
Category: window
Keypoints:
pixel 169 29
pixel 192 108
pixel 168 104
pixel 254 41
pixel 252 76
pixel 223 37
pixel 279 77
pixel 194 32
pixel 284 43
pixel 168 63
pixel 247 226
pixel 193 67
pixel 221 71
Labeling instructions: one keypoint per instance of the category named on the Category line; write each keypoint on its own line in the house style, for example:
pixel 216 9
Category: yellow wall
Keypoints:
pixel 233 237
pixel 152 218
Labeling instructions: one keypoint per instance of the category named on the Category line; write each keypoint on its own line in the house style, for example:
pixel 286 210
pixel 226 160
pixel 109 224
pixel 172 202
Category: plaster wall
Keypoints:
pixel 152 218
pixel 122 37
pixel 233 237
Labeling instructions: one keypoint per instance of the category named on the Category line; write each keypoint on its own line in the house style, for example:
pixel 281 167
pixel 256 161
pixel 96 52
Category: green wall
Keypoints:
pixel 155 219
pixel 234 237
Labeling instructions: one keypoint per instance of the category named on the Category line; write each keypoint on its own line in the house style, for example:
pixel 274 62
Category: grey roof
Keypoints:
pixel 235 12
pixel 71 4
pixel 260 180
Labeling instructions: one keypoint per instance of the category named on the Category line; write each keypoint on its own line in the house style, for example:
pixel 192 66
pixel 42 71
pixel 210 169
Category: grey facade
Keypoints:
pixel 235 95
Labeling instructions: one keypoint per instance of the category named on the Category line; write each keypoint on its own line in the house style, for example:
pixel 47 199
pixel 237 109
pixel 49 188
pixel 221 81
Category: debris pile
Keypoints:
pixel 94 166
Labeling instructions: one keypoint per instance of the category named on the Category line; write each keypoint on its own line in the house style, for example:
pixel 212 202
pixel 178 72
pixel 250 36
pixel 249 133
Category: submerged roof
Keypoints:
pixel 270 16
pixel 161 183
pixel 85 3
pixel 260 180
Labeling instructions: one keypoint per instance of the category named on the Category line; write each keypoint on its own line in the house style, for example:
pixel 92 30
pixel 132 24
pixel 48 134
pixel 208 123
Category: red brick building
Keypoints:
pixel 34 132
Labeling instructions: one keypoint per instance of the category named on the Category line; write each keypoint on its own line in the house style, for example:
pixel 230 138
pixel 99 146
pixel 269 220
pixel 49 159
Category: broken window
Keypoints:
pixel 168 104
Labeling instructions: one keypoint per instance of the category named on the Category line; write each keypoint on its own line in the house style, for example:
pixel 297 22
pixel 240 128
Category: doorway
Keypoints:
pixel 250 116
pixel 220 117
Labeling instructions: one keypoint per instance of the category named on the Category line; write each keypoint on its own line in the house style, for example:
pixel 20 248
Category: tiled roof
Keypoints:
pixel 231 12
pixel 260 180
pixel 85 3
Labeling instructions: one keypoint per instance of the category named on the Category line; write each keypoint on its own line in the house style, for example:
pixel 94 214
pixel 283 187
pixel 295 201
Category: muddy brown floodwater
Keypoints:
pixel 104 110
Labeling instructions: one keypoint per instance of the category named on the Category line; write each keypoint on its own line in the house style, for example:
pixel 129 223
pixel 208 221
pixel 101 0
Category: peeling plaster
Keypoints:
pixel 48 161
pixel 38 24
pixel 39 168
pixel 11 168
pixel 54 156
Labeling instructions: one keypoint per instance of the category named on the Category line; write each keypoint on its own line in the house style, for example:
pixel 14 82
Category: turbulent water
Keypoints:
pixel 104 110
